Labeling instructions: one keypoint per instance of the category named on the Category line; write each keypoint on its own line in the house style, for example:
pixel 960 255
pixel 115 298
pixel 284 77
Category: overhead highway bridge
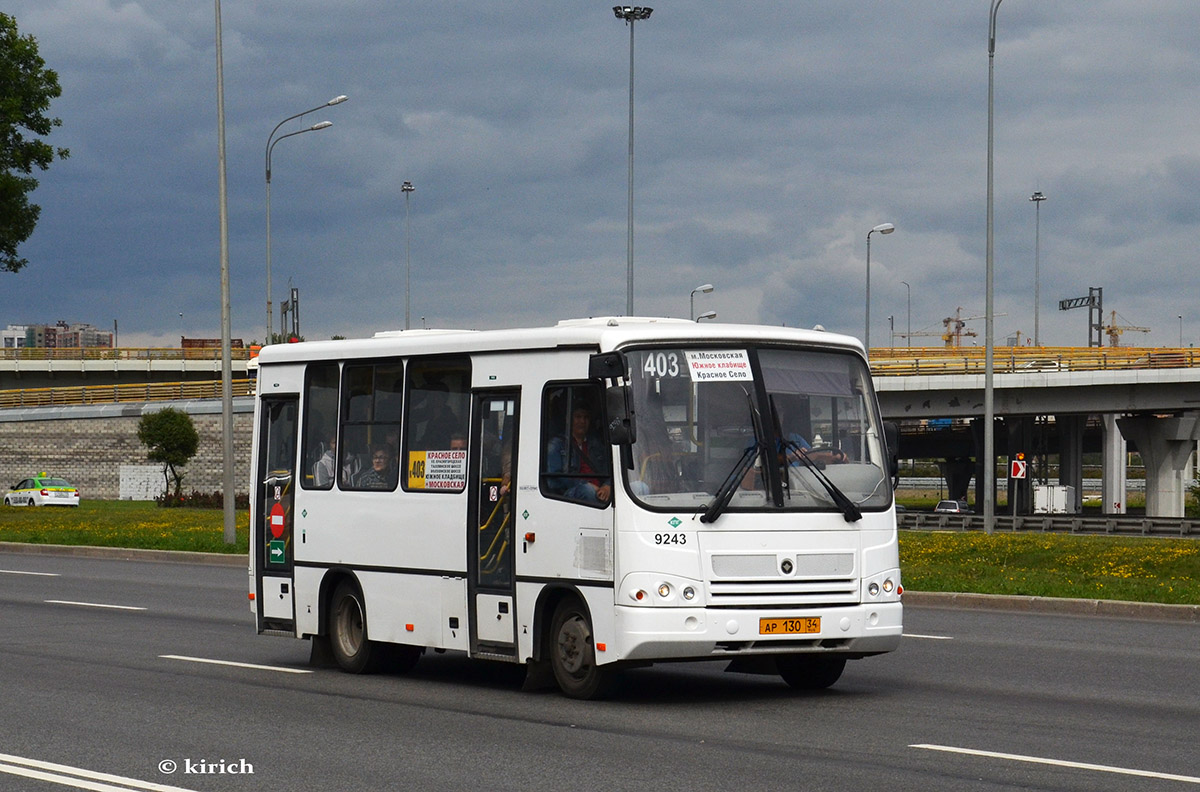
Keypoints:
pixel 1049 401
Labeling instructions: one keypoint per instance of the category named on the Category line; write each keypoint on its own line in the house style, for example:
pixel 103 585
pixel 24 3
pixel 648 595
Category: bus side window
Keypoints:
pixel 576 462
pixel 437 412
pixel 370 425
pixel 319 452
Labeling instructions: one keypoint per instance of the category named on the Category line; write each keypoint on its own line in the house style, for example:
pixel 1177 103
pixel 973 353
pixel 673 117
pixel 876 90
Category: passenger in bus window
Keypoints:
pixel 458 442
pixel 382 472
pixel 584 457
pixel 326 466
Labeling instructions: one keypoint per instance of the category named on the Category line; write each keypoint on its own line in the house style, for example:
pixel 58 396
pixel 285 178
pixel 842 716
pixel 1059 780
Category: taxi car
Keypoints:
pixel 42 490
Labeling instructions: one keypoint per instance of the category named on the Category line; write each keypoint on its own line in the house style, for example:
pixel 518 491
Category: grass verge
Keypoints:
pixel 1132 569
pixel 138 524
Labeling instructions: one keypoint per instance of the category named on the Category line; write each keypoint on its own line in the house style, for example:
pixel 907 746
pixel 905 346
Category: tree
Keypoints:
pixel 172 439
pixel 26 88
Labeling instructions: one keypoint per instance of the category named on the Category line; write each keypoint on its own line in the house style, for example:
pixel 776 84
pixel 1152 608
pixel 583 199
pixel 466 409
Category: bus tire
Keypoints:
pixel 352 650
pixel 810 671
pixel 573 655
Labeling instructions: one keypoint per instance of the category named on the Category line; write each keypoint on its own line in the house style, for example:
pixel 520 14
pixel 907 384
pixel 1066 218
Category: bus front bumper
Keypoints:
pixel 649 633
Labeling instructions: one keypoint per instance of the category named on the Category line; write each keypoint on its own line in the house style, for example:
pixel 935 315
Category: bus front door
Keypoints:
pixel 276 476
pixel 490 524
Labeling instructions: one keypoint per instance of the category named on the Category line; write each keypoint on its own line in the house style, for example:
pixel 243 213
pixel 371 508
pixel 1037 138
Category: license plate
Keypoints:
pixel 803 626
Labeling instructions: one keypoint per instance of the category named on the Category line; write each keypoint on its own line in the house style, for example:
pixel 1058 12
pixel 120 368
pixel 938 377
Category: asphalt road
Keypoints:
pixel 104 685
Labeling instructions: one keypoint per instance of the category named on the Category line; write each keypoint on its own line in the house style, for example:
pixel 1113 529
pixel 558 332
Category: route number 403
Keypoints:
pixel 662 364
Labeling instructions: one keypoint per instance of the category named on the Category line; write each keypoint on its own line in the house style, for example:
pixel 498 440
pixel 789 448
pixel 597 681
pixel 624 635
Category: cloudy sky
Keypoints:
pixel 770 138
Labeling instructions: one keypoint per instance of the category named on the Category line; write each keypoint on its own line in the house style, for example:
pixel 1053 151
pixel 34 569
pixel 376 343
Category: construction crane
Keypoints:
pixel 1114 330
pixel 955 329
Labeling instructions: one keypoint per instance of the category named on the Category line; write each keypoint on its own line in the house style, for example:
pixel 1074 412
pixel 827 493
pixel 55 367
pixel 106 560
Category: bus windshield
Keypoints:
pixel 755 429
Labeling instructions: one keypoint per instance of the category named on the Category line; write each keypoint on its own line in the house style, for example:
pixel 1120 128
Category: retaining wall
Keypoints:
pixel 88 445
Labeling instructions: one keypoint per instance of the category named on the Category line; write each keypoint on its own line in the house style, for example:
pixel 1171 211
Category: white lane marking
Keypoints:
pixel 94 605
pixel 22 572
pixel 930 637
pixel 1061 763
pixel 254 666
pixel 77 777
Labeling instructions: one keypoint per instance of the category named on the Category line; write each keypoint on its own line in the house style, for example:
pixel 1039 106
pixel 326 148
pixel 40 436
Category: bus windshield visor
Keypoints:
pixel 810 416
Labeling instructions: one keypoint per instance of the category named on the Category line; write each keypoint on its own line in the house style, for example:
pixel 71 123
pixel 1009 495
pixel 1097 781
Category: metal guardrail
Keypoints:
pixel 109 394
pixel 123 353
pixel 1135 483
pixel 911 361
pixel 1054 523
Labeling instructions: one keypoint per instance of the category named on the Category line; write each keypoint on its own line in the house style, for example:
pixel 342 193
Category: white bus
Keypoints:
pixel 599 494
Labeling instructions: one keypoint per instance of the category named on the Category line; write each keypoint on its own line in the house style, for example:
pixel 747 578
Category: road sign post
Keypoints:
pixel 1016 472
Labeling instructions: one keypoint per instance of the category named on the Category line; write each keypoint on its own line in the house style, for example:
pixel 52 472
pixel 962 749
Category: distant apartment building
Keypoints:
pixel 13 337
pixel 60 335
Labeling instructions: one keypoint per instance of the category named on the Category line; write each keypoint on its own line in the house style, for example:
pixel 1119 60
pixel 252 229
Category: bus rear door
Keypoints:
pixel 273 519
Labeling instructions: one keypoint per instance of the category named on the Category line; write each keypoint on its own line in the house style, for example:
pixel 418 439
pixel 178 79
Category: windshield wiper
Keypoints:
pixel 850 511
pixel 725 492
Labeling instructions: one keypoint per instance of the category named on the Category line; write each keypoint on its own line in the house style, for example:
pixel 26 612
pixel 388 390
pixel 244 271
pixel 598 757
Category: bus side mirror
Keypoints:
pixel 620 426
pixel 891 434
pixel 607 366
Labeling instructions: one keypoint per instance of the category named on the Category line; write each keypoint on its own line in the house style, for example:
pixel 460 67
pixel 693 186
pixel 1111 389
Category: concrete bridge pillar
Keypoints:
pixel 1113 473
pixel 1166 445
pixel 957 472
pixel 1070 456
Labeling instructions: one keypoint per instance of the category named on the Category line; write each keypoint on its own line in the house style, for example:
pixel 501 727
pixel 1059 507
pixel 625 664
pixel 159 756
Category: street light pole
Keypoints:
pixel 271 141
pixel 407 188
pixel 883 228
pixel 1181 331
pixel 705 289
pixel 989 407
pixel 908 300
pixel 631 14
pixel 1037 199
pixel 229 534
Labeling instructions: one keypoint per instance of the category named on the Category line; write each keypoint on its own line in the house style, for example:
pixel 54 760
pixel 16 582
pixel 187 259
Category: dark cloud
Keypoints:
pixel 770 138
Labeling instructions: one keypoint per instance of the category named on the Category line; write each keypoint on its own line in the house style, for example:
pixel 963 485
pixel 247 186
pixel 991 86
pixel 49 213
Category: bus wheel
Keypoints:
pixel 573 656
pixel 348 631
pixel 810 672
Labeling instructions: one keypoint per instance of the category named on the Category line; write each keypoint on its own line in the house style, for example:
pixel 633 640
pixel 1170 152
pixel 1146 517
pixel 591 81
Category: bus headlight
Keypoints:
pixel 672 591
pixel 883 587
